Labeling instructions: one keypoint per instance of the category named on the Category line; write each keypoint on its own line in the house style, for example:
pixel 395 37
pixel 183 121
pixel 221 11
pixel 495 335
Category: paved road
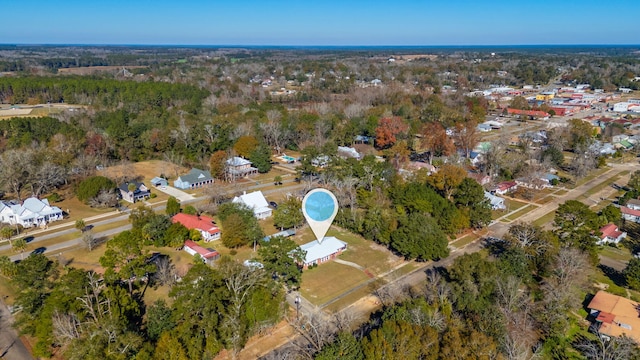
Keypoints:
pixel 11 347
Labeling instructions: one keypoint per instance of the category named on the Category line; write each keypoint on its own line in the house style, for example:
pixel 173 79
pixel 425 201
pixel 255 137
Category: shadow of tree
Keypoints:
pixel 616 276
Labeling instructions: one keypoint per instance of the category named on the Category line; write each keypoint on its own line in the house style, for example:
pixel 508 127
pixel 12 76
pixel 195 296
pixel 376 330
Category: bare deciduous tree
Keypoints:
pixel 166 271
pixel 603 348
pixel 66 327
pixel 89 240
pixel 315 330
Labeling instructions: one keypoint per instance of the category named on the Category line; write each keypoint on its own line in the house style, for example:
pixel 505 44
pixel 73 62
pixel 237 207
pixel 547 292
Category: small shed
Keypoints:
pixel 159 182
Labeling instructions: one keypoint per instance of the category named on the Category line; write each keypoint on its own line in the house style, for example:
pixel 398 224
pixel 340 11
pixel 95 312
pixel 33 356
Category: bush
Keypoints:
pixel 153 195
pixel 54 198
pixel 233 252
pixel 92 186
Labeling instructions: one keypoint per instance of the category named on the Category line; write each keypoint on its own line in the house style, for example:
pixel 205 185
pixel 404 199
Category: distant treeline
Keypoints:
pixel 105 92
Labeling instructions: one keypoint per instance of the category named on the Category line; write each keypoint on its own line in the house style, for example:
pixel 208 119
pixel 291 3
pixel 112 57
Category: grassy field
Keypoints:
pixel 465 240
pixel 620 254
pixel 610 180
pixel 544 200
pixel 373 257
pixel 544 219
pixel 513 205
pixel 325 282
pixel 592 176
pixel 521 212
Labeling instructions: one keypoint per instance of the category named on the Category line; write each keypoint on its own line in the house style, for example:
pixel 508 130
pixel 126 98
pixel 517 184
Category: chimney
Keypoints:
pixel 244 192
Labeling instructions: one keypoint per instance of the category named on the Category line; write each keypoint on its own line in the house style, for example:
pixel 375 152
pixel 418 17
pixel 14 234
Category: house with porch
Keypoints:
pixel 203 224
pixel 134 191
pixel 321 252
pixel 610 234
pixel 208 255
pixel 32 212
pixel 238 167
pixel 196 178
pixel 256 202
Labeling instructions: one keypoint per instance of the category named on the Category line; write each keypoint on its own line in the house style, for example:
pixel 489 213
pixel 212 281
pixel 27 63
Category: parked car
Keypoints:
pixel 273 204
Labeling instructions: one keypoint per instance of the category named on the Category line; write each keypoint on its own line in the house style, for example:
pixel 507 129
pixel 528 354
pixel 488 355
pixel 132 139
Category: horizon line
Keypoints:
pixel 319 45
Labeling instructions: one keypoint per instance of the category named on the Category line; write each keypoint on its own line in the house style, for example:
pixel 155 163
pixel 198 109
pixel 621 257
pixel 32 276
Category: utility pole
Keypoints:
pixel 297 301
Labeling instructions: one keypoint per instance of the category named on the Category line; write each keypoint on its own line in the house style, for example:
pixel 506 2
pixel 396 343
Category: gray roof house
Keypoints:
pixel 32 212
pixel 133 191
pixel 194 179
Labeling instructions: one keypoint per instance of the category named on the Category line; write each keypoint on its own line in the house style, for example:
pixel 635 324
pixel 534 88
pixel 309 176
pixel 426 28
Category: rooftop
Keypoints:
pixel 617 315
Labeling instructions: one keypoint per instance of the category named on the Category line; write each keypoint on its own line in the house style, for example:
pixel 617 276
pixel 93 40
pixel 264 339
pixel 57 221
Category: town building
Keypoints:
pixel 159 182
pixel 203 224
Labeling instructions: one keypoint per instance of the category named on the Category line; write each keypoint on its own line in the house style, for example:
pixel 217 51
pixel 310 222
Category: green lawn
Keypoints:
pixel 465 240
pixel 329 280
pixel 544 200
pixel 620 254
pixel 365 253
pixel 545 219
pixel 592 176
pixel 610 180
pixel 513 205
pixel 521 212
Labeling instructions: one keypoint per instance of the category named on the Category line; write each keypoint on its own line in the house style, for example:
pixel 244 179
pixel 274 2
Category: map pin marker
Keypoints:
pixel 319 207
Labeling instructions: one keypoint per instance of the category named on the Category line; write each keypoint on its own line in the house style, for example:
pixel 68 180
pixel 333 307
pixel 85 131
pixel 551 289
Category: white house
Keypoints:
pixel 633 204
pixel 207 255
pixel 318 253
pixel 611 234
pixel 256 202
pixel 630 214
pixel 497 203
pixel 32 212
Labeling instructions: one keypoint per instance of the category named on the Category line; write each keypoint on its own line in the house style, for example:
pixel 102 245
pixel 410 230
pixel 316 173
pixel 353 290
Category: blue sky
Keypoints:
pixel 328 22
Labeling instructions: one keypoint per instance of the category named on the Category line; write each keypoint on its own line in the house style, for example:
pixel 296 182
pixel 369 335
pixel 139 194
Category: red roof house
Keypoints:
pixel 204 224
pixel 505 187
pixel 611 234
pixel 207 255
pixel 630 214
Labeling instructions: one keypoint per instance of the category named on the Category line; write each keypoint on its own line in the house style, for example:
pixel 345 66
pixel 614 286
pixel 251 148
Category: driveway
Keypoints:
pixel 176 193
pixel 11 347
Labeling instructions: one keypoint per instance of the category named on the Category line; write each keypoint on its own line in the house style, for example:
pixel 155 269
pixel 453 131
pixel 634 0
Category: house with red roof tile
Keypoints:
pixel 630 214
pixel 504 187
pixel 207 255
pixel 611 234
pixel 205 225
